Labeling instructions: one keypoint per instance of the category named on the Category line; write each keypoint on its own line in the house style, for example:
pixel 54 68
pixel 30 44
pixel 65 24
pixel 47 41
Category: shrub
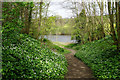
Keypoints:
pixel 27 58
pixel 101 57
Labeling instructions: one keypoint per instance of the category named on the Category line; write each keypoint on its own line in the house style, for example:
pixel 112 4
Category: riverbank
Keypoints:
pixel 56 46
pixel 62 44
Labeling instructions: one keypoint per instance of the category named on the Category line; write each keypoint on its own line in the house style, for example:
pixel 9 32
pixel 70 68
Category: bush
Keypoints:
pixel 101 57
pixel 29 59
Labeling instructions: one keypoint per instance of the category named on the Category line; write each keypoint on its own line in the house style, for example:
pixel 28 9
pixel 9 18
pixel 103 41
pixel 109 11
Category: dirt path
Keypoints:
pixel 76 68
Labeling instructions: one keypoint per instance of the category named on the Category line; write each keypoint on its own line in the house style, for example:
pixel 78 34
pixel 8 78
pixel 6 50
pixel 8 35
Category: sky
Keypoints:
pixel 56 8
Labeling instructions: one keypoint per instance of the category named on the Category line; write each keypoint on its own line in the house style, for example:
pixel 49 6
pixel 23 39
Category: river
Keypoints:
pixel 60 38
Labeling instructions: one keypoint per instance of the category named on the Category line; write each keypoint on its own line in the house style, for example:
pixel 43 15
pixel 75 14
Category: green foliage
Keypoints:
pixel 27 58
pixel 79 29
pixel 53 25
pixel 22 55
pixel 72 45
pixel 11 21
pixel 101 57
pixel 54 47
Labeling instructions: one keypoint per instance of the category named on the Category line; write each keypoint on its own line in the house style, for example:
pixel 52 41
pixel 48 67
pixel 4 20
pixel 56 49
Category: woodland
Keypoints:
pixel 94 25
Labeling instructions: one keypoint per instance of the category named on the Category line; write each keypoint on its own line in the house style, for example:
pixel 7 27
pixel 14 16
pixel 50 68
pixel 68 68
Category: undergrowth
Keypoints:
pixel 101 57
pixel 25 57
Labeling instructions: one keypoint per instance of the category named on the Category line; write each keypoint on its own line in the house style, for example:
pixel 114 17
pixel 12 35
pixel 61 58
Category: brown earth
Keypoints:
pixel 77 69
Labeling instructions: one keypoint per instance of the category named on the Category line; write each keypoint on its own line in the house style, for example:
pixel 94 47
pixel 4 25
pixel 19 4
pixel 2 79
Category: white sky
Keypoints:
pixel 56 8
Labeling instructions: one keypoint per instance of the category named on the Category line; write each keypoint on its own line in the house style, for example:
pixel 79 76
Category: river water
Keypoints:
pixel 60 38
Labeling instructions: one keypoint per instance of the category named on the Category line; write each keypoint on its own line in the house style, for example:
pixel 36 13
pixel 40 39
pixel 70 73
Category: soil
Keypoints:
pixel 76 68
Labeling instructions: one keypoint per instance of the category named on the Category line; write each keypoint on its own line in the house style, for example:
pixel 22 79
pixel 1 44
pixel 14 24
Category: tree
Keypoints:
pixel 115 33
pixel 26 15
pixel 80 27
pixel 101 6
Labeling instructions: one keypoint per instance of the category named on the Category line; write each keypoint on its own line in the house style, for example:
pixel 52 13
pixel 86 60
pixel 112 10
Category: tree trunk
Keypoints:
pixel 101 6
pixel 102 24
pixel 26 18
pixel 119 27
pixel 38 31
pixel 118 24
pixel 113 34
pixel 29 18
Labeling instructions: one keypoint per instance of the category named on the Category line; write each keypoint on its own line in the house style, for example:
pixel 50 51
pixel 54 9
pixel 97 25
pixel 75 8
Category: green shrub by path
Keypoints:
pixel 27 58
pixel 101 57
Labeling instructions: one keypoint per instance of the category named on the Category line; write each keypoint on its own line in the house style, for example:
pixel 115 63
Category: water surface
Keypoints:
pixel 60 38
